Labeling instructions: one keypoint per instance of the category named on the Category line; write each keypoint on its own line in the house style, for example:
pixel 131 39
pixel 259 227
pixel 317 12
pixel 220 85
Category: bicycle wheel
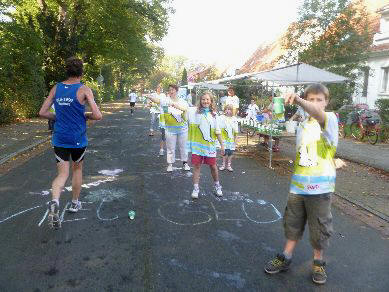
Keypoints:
pixel 356 131
pixel 372 136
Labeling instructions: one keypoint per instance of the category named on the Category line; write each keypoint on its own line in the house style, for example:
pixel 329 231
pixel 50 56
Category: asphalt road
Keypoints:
pixel 173 244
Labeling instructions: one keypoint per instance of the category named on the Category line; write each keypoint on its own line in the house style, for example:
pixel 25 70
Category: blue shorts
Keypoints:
pixel 228 152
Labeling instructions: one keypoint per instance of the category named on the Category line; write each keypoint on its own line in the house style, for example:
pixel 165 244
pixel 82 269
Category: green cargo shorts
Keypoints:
pixel 314 208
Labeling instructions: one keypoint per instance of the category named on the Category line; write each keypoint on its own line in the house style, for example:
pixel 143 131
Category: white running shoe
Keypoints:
pixel 169 168
pixel 53 215
pixel 223 167
pixel 195 193
pixel 75 207
pixel 186 167
pixel 218 190
pixel 229 168
pixel 161 152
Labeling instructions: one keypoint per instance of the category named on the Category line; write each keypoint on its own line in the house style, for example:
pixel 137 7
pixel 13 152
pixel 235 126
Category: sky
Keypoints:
pixel 226 32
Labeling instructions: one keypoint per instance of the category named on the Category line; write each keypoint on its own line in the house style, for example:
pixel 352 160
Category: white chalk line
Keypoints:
pixel 21 212
pixel 104 219
pixel 263 222
pixel 43 218
pixel 184 224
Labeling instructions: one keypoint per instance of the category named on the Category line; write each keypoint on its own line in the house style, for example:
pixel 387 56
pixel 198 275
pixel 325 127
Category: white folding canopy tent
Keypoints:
pixel 292 75
pixel 297 74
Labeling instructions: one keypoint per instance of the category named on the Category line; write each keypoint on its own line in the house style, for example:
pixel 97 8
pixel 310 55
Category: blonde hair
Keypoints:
pixel 212 107
pixel 230 107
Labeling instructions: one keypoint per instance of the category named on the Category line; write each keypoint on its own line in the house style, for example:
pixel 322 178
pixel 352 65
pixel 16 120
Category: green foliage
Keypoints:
pixel 334 35
pixel 184 79
pixel 116 37
pixel 247 89
pixel 383 109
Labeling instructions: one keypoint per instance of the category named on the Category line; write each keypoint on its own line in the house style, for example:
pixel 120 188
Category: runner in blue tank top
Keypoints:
pixel 69 137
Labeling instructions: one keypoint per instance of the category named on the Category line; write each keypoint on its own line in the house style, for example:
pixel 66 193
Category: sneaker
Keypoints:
pixel 319 275
pixel 161 152
pixel 169 168
pixel 53 215
pixel 229 168
pixel 278 264
pixel 74 207
pixel 223 167
pixel 195 193
pixel 186 167
pixel 218 190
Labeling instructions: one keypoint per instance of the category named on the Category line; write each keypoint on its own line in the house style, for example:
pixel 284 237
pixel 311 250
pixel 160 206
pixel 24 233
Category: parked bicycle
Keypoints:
pixel 365 123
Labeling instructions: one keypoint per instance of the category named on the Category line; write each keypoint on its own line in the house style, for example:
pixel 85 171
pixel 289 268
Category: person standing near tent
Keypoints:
pixel 176 127
pixel 312 183
pixel 233 100
pixel 69 138
pixel 252 110
pixel 133 98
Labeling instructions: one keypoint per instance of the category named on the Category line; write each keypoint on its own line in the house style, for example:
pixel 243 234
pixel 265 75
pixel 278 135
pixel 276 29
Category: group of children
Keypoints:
pixel 197 130
pixel 313 182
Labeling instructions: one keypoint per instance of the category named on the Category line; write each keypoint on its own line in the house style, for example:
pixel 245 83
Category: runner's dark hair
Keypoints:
pixel 74 67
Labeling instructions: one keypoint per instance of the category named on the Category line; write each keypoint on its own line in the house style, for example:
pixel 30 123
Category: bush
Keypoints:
pixel 383 110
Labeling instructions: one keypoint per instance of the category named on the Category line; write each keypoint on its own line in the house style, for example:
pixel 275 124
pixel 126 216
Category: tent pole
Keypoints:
pixel 271 129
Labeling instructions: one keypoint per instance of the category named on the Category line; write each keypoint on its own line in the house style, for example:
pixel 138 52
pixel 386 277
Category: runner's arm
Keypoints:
pixel 44 112
pixel 95 114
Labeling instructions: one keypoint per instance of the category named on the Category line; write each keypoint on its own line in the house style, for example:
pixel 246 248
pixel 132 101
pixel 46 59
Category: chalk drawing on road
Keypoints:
pixel 245 210
pixel 19 213
pixel 104 219
pixel 184 209
pixel 107 172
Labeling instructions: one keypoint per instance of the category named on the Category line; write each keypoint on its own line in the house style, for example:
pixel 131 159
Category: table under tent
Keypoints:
pixel 293 75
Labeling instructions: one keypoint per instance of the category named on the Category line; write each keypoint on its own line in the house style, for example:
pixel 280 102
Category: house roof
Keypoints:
pixel 380 48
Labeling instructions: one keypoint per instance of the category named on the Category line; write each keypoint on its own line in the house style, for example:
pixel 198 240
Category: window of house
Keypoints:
pixel 385 78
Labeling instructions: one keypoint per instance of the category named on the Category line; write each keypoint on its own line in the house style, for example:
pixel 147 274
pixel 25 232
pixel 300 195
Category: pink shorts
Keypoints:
pixel 197 159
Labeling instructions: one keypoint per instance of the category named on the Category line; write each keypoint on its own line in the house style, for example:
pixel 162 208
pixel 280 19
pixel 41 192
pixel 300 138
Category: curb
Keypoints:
pixel 366 208
pixel 12 155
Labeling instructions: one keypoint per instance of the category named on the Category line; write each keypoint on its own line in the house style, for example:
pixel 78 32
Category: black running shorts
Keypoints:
pixel 64 154
pixel 132 104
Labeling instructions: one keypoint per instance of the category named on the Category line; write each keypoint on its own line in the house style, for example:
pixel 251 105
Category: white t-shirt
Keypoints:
pixel 252 110
pixel 133 97
pixel 233 100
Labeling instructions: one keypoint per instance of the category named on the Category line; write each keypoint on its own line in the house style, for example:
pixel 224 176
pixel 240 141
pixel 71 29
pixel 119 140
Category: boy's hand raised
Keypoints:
pixel 290 98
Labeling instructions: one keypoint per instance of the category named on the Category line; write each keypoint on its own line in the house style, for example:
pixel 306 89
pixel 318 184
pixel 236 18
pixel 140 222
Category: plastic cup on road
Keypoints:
pixel 131 215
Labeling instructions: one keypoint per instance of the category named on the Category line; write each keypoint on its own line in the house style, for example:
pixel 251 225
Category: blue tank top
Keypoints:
pixel 70 123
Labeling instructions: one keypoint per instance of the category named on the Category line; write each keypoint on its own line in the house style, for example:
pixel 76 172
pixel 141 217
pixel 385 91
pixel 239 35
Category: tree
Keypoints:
pixel 334 35
pixel 121 33
pixel 184 79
